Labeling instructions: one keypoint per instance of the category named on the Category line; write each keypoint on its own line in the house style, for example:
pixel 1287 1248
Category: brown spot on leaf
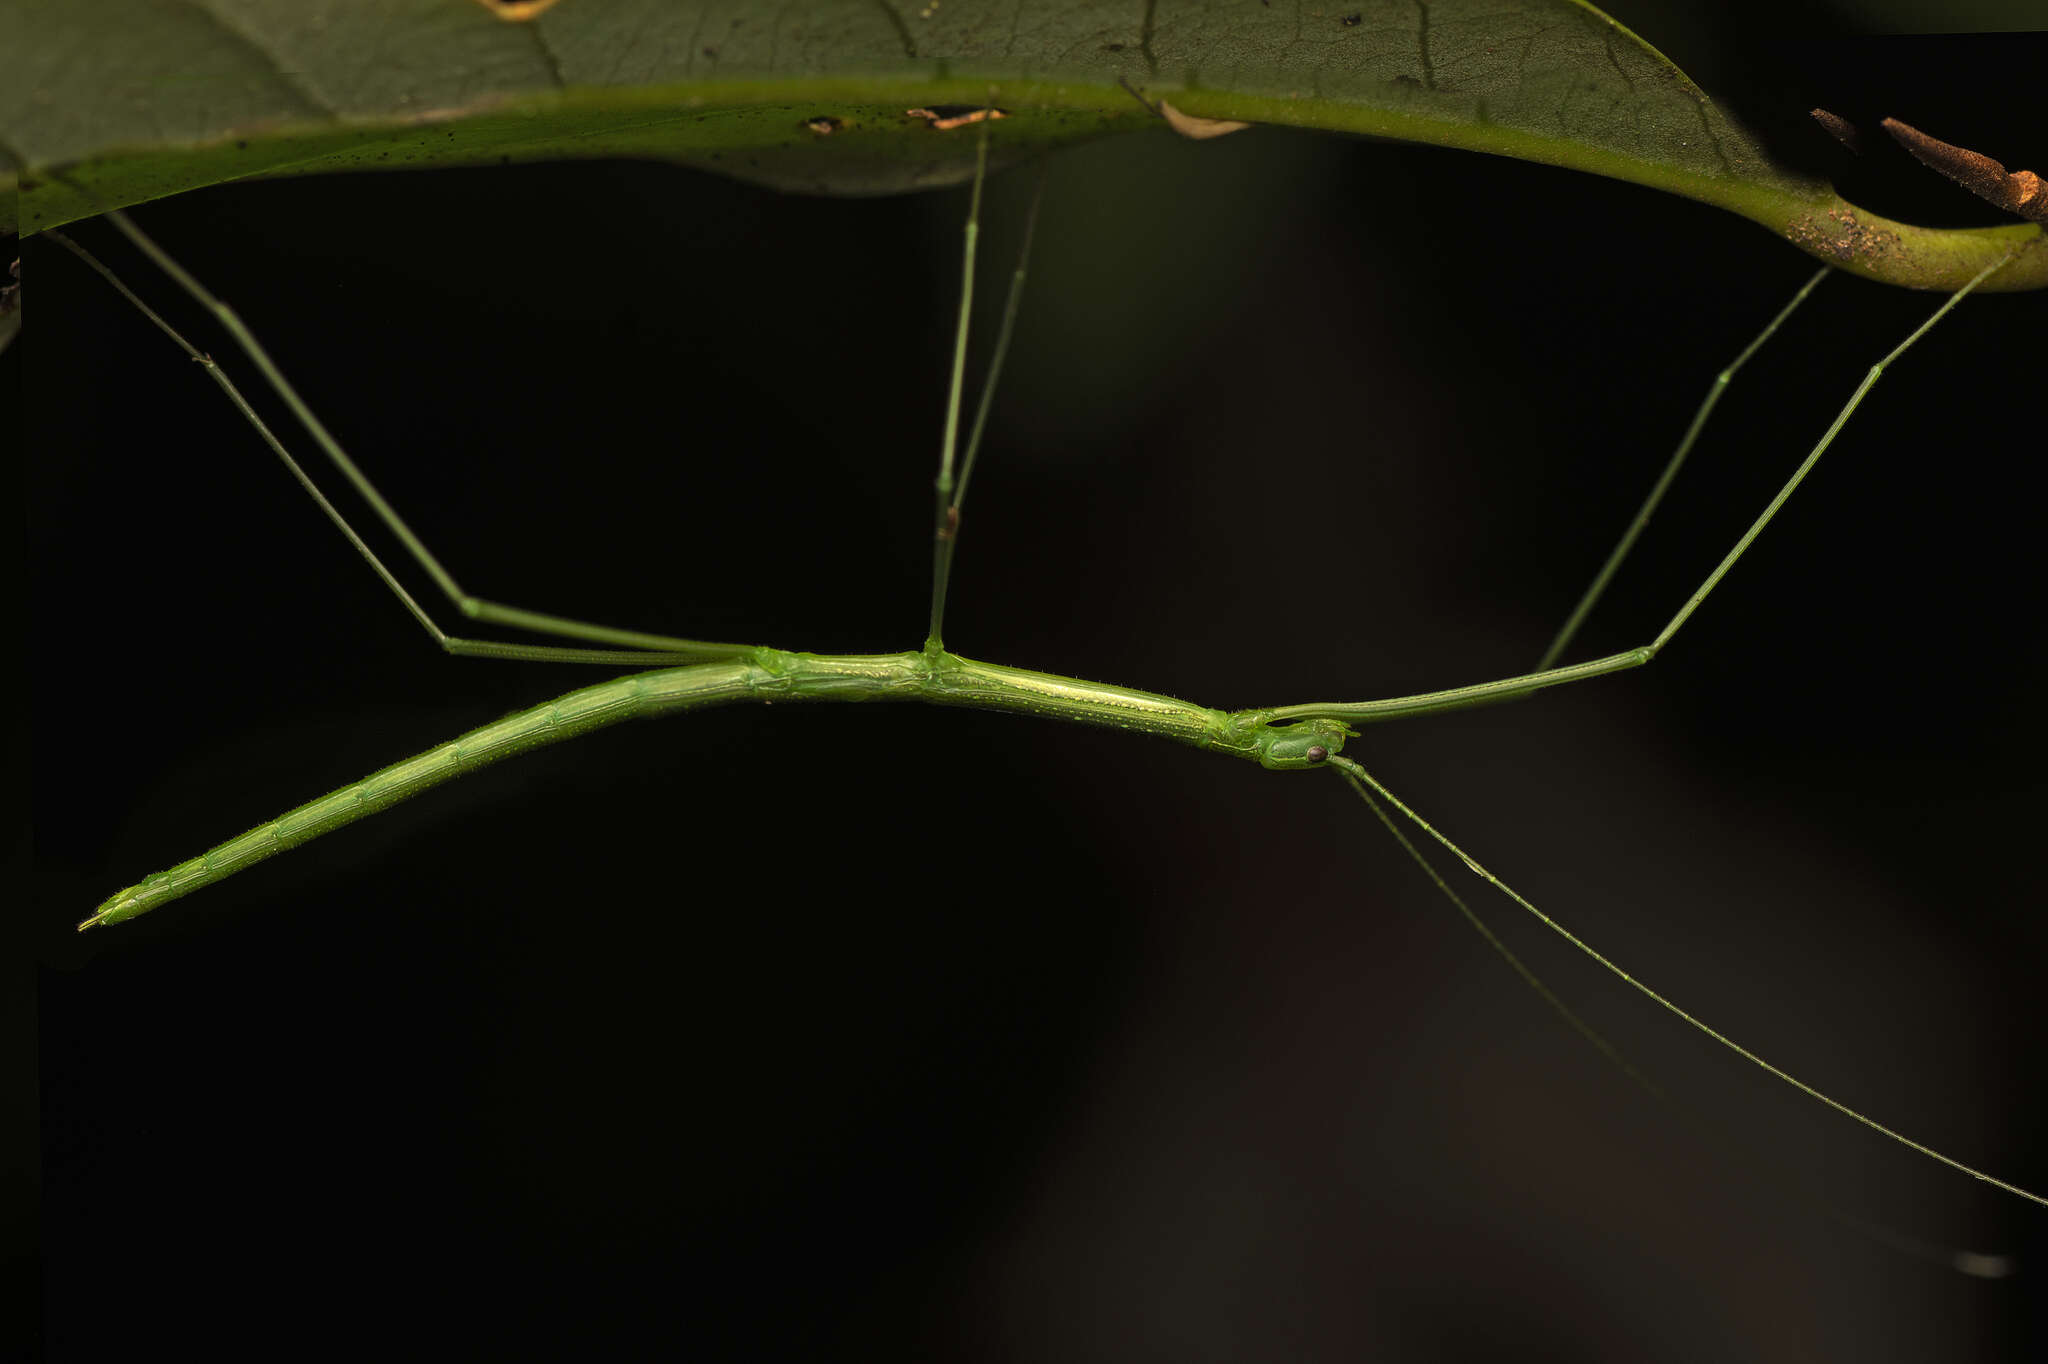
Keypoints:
pixel 1847 240
pixel 518 11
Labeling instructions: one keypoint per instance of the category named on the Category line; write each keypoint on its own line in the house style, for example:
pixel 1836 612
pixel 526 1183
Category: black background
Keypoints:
pixel 761 1032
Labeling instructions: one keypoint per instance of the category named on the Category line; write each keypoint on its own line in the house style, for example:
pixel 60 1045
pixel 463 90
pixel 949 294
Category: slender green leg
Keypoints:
pixel 995 364
pixel 948 511
pixel 1361 780
pixel 952 493
pixel 638 648
pixel 1507 688
pixel 1664 480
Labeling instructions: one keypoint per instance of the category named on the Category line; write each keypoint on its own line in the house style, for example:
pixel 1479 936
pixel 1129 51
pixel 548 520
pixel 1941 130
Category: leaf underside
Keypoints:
pixel 106 103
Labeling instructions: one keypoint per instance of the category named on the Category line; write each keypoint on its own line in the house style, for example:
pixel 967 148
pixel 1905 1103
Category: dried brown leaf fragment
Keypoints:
pixel 2020 192
pixel 1199 129
pixel 1839 128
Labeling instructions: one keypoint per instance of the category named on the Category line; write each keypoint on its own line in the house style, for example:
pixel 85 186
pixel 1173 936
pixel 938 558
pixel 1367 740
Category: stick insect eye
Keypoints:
pixel 1316 753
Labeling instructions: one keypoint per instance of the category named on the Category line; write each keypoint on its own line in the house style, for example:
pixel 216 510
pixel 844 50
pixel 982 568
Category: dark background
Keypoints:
pixel 758 1033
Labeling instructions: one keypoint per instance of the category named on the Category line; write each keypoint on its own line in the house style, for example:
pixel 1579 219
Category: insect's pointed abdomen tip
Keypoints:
pixel 105 914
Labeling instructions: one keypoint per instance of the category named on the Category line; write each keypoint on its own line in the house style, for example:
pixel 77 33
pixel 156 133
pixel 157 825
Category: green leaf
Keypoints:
pixel 105 103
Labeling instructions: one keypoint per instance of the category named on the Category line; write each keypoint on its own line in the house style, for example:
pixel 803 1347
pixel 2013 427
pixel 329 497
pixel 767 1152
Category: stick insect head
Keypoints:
pixel 1297 747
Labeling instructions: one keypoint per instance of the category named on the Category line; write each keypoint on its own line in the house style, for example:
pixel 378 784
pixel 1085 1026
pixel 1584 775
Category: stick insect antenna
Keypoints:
pixel 1977 1264
pixel 1361 780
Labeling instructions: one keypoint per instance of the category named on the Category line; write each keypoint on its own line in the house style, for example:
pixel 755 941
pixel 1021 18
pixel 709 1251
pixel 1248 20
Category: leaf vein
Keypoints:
pixel 902 29
pixel 294 81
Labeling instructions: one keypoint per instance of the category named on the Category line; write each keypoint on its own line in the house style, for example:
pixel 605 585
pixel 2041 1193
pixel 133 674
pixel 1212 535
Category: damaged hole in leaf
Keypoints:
pixel 823 125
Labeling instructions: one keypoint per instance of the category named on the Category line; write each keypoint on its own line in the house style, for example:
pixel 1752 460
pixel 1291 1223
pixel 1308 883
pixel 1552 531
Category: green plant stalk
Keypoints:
pixel 1808 214
pixel 766 676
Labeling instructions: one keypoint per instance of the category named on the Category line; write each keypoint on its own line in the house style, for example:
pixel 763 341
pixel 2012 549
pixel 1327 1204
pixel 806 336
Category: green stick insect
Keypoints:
pixel 821 969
